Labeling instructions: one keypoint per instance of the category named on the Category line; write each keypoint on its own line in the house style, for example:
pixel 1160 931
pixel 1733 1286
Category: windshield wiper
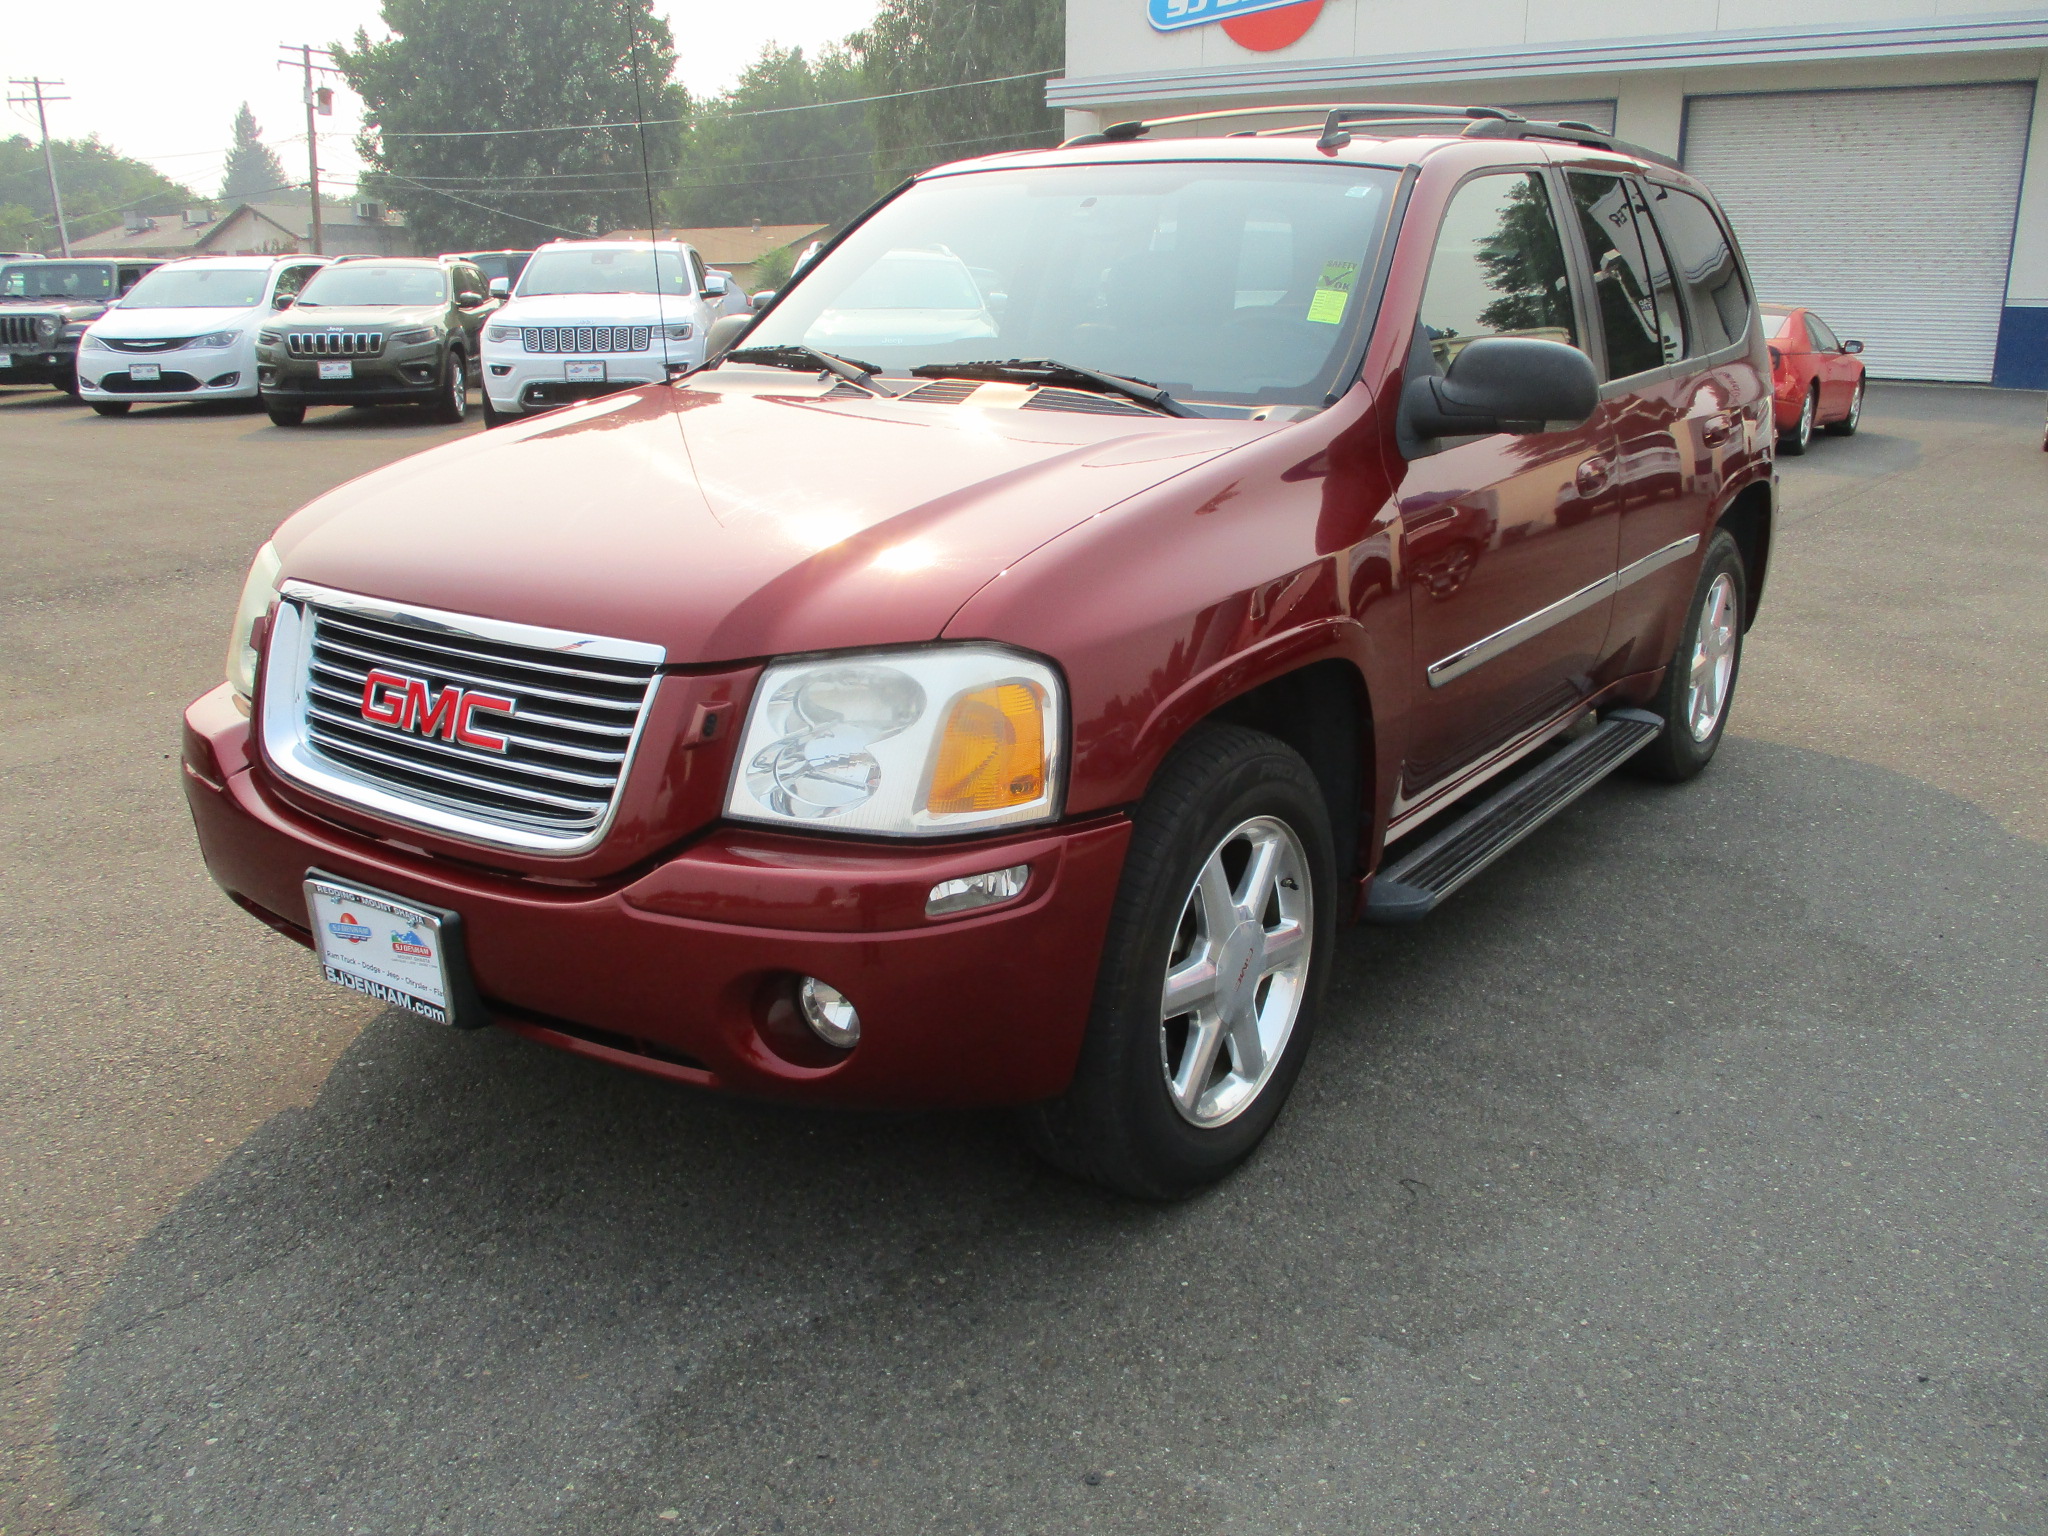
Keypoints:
pixel 1045 371
pixel 851 369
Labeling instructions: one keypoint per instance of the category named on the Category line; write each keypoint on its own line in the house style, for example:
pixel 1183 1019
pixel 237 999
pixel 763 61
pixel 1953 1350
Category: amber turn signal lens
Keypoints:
pixel 992 753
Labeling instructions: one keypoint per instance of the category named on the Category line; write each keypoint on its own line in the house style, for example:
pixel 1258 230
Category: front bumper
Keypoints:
pixel 55 364
pixel 224 374
pixel 678 970
pixel 520 381
pixel 411 380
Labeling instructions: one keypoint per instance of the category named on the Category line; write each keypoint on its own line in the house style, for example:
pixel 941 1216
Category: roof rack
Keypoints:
pixel 1332 133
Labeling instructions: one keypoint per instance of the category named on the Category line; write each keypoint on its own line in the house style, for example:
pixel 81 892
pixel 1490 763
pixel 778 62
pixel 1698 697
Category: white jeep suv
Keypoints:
pixel 592 316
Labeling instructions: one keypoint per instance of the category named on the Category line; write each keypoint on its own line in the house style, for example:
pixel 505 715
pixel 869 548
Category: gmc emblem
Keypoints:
pixel 410 704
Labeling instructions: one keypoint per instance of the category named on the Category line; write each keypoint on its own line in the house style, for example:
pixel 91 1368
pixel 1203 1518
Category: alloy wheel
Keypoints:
pixel 1713 659
pixel 1237 973
pixel 458 389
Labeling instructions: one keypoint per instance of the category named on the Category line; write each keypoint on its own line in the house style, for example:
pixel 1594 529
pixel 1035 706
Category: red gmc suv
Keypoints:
pixel 993 677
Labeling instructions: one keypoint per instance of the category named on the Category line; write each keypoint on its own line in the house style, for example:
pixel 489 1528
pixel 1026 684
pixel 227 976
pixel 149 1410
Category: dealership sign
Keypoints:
pixel 1277 23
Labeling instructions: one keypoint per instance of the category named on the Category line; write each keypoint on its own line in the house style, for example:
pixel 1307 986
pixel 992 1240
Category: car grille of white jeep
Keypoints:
pixel 577 703
pixel 334 343
pixel 587 338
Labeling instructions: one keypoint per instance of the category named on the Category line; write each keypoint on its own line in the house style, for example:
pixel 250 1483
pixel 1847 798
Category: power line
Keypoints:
pixel 663 122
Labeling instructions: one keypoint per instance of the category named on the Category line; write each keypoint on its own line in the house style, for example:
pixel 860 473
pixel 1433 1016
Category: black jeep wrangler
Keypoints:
pixel 45 305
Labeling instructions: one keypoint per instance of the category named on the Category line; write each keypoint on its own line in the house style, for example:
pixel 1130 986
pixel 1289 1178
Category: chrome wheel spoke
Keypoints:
pixel 1286 947
pixel 1219 908
pixel 1255 886
pixel 1247 1050
pixel 1188 987
pixel 1197 1063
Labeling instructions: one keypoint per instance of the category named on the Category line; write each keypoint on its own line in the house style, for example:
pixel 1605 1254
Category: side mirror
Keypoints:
pixel 283 301
pixel 1852 346
pixel 725 330
pixel 716 285
pixel 1502 384
pixel 763 299
pixel 501 287
pixel 469 298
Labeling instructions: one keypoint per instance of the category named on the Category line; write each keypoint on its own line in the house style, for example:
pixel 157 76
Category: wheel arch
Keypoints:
pixel 1749 518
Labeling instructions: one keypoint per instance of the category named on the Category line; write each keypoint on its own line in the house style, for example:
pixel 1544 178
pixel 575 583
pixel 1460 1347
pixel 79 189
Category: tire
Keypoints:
pixel 452 406
pixel 1847 426
pixel 1135 1118
pixel 286 415
pixel 1794 443
pixel 1691 734
pixel 493 417
pixel 112 407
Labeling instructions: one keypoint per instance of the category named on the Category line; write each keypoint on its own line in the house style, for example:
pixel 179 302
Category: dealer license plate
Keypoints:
pixel 584 373
pixel 381 947
pixel 337 370
pixel 145 373
pixel 6 359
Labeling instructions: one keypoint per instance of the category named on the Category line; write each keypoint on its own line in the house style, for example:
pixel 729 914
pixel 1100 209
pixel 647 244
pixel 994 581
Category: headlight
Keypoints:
pixel 681 332
pixel 46 325
pixel 502 334
pixel 902 743
pixel 218 339
pixel 269 338
pixel 257 593
pixel 412 338
pixel 94 344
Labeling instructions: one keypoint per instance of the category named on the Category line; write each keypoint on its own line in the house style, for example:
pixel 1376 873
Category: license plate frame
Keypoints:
pixel 583 373
pixel 343 370
pixel 146 373
pixel 438 986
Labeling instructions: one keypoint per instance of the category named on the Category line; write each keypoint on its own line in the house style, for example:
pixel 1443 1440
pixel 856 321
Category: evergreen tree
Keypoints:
pixel 460 66
pixel 916 44
pixel 784 167
pixel 251 170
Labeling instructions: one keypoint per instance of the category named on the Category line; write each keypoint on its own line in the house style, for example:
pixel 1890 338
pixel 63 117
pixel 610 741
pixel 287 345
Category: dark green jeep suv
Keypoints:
pixel 381 331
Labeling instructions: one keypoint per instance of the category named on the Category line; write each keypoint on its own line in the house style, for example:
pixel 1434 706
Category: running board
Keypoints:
pixel 1408 891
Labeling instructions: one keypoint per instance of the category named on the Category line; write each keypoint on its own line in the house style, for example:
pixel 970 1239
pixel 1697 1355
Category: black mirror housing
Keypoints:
pixel 725 330
pixel 1502 384
pixel 1852 346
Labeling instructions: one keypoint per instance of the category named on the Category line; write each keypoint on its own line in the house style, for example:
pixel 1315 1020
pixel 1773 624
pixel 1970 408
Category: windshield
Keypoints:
pixel 199 288
pixel 601 271
pixel 348 284
pixel 57 280
pixel 1225 282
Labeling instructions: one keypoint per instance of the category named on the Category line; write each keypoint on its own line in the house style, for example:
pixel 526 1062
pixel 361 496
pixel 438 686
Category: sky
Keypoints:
pixel 162 82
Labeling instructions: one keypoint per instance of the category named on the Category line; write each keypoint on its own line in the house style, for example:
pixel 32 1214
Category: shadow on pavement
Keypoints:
pixel 1682 1175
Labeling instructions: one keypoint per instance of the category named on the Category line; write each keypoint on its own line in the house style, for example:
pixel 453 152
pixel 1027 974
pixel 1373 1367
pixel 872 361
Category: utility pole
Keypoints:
pixel 37 84
pixel 320 101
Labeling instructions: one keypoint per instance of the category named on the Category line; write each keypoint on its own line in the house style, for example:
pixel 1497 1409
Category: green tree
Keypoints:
pixel 251 168
pixel 461 66
pixel 1524 263
pixel 780 166
pixel 99 185
pixel 916 44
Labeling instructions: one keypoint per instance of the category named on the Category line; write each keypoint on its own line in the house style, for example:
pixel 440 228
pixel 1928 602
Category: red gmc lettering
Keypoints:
pixel 379 705
pixel 465 730
pixel 409 704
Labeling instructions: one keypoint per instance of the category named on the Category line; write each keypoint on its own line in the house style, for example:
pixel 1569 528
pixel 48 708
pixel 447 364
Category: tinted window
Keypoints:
pixel 349 283
pixel 1822 338
pixel 1639 311
pixel 199 287
pixel 57 280
pixel 1218 282
pixel 1706 268
pixel 1499 268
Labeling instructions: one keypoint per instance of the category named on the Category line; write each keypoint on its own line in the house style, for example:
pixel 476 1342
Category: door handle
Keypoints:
pixel 1716 430
pixel 1592 476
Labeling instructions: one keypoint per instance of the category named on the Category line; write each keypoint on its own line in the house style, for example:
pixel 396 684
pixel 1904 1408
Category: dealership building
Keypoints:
pixel 1883 161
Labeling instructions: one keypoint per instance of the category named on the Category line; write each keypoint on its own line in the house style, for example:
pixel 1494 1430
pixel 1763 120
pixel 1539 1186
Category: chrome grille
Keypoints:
pixel 587 338
pixel 19 330
pixel 145 344
pixel 577 704
pixel 334 343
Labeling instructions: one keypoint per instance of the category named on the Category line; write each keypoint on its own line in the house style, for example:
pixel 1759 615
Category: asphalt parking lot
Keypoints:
pixel 1686 1174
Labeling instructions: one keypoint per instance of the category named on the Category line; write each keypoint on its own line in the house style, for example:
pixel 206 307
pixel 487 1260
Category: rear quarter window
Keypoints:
pixel 1706 267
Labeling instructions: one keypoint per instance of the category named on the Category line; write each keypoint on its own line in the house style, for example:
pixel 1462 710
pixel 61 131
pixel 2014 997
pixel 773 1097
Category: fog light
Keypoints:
pixel 832 1018
pixel 976 890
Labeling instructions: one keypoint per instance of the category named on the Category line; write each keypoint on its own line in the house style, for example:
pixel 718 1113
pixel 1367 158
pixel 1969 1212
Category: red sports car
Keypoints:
pixel 1816 379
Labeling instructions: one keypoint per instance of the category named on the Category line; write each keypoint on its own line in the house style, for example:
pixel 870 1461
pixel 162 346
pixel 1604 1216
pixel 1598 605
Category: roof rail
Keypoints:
pixel 1332 133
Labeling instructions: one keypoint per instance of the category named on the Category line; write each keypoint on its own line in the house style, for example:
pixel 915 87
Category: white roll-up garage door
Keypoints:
pixel 1889 212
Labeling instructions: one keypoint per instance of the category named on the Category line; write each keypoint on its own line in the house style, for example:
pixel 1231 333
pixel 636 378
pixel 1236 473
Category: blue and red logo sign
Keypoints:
pixel 408 943
pixel 347 927
pixel 1260 25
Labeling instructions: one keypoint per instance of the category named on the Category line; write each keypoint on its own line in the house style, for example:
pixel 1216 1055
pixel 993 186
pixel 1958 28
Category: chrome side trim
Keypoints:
pixel 289 749
pixel 1501 641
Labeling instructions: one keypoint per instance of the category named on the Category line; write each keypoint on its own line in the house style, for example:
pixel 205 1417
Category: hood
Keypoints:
pixel 363 317
pixel 595 308
pixel 723 525
pixel 71 310
pixel 150 324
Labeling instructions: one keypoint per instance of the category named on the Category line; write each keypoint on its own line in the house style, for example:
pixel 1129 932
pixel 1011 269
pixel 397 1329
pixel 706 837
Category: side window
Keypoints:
pixel 1822 338
pixel 130 276
pixel 1706 268
pixel 1639 310
pixel 1499 268
pixel 291 280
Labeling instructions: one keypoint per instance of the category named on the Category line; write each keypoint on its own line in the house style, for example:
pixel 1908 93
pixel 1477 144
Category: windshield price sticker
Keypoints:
pixel 1171 15
pixel 380 947
pixel 1333 292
